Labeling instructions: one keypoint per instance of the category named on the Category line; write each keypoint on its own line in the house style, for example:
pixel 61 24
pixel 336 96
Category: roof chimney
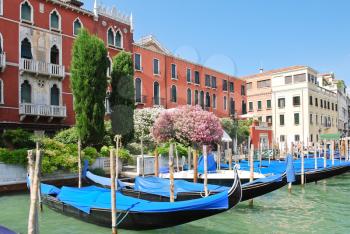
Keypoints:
pixel 261 70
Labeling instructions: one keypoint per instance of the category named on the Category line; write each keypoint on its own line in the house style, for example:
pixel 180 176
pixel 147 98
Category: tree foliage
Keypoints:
pixel 122 98
pixel 89 83
pixel 189 125
pixel 143 122
pixel 241 126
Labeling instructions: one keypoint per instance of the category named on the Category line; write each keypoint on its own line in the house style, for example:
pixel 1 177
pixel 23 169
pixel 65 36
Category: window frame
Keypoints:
pixel 225 102
pixel 214 101
pixel 172 98
pixel 173 74
pixel 189 97
pixel 259 104
pixel 284 103
pixel 59 29
pixel 110 29
pixel 81 25
pixel 268 104
pixel 250 109
pixel 297 123
pixel 284 120
pixel 195 77
pixel 31 13
pixel 158 66
pixel 121 39
pixel 140 69
pixel 233 86
pixel 138 78
pixel 224 85
pixel 188 75
pixel 1 7
pixel 2 101
pixel 297 105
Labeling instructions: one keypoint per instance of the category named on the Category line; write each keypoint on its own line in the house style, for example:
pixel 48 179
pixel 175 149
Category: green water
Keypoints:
pixel 317 208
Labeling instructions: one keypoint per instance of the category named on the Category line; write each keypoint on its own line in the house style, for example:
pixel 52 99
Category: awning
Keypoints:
pixel 226 137
pixel 330 137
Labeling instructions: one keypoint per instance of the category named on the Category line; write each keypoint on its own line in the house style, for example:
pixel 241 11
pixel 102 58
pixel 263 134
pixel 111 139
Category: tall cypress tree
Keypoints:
pixel 122 98
pixel 89 84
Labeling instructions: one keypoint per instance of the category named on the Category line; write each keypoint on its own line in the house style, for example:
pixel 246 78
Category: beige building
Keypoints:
pixel 299 109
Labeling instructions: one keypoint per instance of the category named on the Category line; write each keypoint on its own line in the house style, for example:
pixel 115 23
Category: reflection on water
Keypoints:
pixel 318 208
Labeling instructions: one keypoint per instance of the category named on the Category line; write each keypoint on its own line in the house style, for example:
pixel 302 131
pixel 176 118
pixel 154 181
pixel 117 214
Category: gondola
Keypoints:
pixel 134 213
pixel 157 189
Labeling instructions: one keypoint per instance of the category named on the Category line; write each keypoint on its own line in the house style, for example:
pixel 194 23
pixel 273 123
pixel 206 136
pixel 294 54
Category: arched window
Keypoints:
pixel 214 101
pixel 110 36
pixel 118 39
pixel 173 94
pixel 76 27
pixel 26 49
pixel 196 98
pixel 207 99
pixel 156 93
pixel 26 92
pixel 54 55
pixel 26 12
pixel 1 92
pixel 201 99
pixel 55 96
pixel 189 97
pixel 1 43
pixel 138 90
pixel 55 21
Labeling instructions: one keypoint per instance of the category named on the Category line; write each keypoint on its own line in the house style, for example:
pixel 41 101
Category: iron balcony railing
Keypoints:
pixel 42 68
pixel 2 61
pixel 141 100
pixel 42 110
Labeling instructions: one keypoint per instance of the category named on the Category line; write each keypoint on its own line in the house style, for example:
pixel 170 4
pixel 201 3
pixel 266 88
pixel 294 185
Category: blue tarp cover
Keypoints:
pixel 159 186
pixel 48 189
pixel 290 169
pixel 100 198
pixel 211 164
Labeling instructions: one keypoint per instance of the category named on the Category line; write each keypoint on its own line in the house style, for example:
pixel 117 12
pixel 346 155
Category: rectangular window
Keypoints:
pixel 249 85
pixel 321 102
pixel 269 119
pixel 213 82
pixel 316 102
pixel 189 75
pixel 197 77
pixel 259 105
pixel 311 119
pixel 264 84
pixel 250 106
pixel 232 87
pixel 310 100
pixel 243 90
pixel 332 106
pixel 282 120
pixel 325 104
pixel 224 85
pixel 282 138
pixel 268 104
pixel 336 107
pixel 138 62
pixel 288 80
pixel 312 138
pixel 300 78
pixel 316 119
pixel 296 101
pixel 296 138
pixel 296 119
pixel 225 103
pixel 281 103
pixel 155 66
pixel 173 71
pixel 207 80
pixel 328 106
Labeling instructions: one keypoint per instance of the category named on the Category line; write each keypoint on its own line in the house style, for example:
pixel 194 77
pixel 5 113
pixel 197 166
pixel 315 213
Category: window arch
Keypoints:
pixel 138 90
pixel 173 94
pixel 196 98
pixel 77 25
pixel 54 55
pixel 26 49
pixel 26 12
pixel 55 96
pixel 118 39
pixel 55 20
pixel 156 93
pixel 201 99
pixel 110 37
pixel 26 92
pixel 207 99
pixel 1 92
pixel 189 97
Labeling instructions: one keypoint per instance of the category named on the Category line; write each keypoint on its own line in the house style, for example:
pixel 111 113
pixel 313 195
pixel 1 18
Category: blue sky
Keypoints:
pixel 239 36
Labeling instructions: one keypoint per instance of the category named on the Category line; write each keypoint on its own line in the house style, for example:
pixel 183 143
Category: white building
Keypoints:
pixel 338 87
pixel 301 109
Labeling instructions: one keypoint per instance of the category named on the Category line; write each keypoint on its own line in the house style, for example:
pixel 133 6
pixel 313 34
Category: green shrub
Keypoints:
pixel 90 154
pixel 67 136
pixel 164 149
pixel 134 148
pixel 18 156
pixel 18 138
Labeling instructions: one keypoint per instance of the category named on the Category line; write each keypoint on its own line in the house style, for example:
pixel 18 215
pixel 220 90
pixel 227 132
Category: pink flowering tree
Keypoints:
pixel 189 125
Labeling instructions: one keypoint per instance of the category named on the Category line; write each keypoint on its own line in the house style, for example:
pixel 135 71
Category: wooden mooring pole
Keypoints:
pixel 332 151
pixel 205 156
pixel 251 166
pixel 79 163
pixel 171 171
pixel 189 155
pixel 113 192
pixel 302 165
pixel 156 163
pixel 325 154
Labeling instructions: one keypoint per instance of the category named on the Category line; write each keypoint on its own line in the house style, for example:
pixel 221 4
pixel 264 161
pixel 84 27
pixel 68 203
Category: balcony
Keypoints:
pixel 2 61
pixel 41 68
pixel 157 101
pixel 141 100
pixel 38 110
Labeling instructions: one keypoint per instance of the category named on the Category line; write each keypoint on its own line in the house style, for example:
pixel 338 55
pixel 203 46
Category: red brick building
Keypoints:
pixel 166 80
pixel 36 38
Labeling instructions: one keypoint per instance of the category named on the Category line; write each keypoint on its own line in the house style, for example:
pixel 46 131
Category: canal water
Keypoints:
pixel 318 208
